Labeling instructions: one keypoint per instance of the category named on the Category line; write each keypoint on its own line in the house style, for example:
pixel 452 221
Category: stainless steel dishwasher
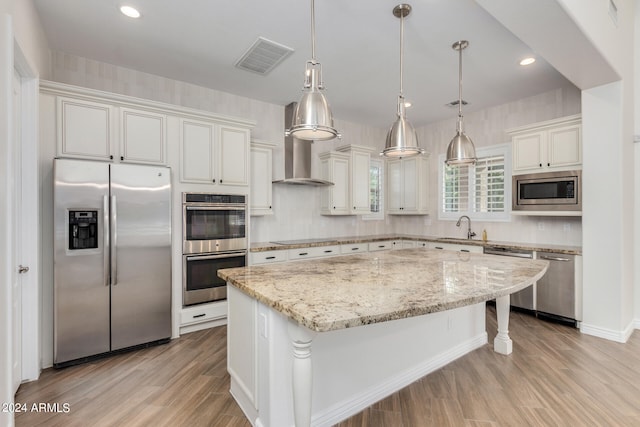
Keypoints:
pixel 556 291
pixel 524 298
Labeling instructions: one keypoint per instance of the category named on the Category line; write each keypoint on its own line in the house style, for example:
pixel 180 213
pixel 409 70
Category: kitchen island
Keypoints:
pixel 376 322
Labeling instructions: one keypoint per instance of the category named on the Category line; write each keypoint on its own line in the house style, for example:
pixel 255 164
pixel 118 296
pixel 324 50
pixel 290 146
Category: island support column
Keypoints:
pixel 302 374
pixel 502 343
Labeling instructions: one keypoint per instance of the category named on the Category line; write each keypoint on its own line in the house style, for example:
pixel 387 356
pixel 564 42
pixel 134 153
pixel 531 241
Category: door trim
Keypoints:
pixel 30 236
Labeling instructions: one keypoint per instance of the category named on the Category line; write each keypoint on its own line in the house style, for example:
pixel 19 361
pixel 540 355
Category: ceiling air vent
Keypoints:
pixel 263 56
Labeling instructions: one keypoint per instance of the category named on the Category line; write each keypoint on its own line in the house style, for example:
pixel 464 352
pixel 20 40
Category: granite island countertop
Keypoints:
pixel 317 242
pixel 353 290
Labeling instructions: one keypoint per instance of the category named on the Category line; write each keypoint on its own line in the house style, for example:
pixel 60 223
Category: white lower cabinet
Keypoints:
pixel 381 246
pixel 266 257
pixel 456 247
pixel 353 248
pixel 203 312
pixel 313 252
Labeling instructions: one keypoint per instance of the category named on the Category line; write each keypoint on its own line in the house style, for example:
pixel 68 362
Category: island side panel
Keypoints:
pixel 242 360
pixel 354 368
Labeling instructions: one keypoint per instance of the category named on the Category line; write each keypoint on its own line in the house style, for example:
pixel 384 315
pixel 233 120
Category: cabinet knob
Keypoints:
pixel 540 164
pixel 269 207
pixel 111 157
pixel 334 207
pixel 220 181
pixel 548 164
pixel 214 180
pixel 121 157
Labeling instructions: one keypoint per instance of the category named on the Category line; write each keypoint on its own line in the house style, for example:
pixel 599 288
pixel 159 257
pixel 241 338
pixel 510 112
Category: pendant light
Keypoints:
pixel 461 150
pixel 402 140
pixel 312 118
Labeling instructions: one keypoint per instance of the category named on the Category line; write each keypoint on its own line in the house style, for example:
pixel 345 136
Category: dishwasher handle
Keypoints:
pixel 506 252
pixel 554 258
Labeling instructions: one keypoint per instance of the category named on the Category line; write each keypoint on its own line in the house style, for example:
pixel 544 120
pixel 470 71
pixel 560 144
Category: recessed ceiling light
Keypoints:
pixel 130 11
pixel 528 61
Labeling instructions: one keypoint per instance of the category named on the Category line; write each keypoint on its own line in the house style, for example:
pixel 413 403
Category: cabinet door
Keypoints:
pixel 84 129
pixel 261 176
pixel 234 156
pixel 142 136
pixel 395 186
pixel 527 151
pixel 564 146
pixel 410 181
pixel 360 176
pixel 339 203
pixel 197 151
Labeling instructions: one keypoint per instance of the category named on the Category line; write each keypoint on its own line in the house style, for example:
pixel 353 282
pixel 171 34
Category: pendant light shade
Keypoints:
pixel 312 118
pixel 461 150
pixel 402 140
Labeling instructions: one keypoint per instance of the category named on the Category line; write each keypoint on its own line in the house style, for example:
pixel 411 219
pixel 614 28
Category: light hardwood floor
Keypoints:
pixel 555 377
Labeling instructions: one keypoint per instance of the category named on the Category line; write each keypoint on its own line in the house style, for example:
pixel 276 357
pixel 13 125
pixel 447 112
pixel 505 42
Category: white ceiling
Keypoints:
pixel 357 43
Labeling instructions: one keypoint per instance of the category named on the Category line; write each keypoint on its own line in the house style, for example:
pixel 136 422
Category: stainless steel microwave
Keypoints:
pixel 548 191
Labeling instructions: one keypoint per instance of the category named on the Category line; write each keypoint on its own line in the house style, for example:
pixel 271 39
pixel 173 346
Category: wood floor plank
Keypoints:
pixel 555 377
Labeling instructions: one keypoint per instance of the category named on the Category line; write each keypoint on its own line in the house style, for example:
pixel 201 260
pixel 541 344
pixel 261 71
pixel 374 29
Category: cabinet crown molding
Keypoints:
pixel 62 89
pixel 568 120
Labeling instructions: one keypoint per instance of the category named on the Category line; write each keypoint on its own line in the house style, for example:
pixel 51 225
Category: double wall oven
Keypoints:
pixel 214 233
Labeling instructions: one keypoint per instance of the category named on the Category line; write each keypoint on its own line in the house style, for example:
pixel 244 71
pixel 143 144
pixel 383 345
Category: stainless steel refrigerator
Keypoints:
pixel 112 258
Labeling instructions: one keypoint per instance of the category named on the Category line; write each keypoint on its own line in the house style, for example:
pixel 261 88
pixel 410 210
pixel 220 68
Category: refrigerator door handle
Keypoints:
pixel 114 241
pixel 106 237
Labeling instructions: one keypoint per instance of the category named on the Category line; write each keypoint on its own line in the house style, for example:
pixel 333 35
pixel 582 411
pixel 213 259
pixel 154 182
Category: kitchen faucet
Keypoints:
pixel 470 233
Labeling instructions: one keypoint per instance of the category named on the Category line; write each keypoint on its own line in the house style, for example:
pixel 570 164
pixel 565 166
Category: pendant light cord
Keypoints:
pixel 460 80
pixel 313 32
pixel 401 49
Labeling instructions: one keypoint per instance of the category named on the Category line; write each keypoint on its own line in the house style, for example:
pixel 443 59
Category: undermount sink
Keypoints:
pixel 456 239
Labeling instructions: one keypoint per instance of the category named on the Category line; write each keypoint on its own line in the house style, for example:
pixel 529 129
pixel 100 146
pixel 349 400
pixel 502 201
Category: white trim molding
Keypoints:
pixel 621 336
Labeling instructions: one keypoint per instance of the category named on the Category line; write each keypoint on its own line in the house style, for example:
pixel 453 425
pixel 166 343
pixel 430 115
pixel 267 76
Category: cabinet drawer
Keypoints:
pixel 354 248
pixel 314 252
pixel 267 257
pixel 380 246
pixel 203 313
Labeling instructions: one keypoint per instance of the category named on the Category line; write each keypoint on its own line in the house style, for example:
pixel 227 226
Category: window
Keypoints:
pixel 376 190
pixel 481 191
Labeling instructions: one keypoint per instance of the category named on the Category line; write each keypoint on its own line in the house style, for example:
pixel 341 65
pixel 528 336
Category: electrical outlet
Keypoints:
pixel 541 226
pixel 566 226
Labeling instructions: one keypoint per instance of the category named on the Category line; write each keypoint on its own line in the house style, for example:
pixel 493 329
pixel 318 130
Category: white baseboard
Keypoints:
pixel 610 334
pixel 356 404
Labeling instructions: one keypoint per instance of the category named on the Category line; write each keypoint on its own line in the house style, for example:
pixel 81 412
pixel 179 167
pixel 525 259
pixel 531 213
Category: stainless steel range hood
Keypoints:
pixel 297 157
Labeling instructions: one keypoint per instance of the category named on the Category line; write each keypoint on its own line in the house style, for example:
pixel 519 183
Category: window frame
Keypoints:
pixel 494 150
pixel 380 214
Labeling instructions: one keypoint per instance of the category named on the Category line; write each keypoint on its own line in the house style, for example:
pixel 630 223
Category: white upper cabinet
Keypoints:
pixel 408 186
pixel 213 154
pixel 197 152
pixel 85 129
pixel 143 136
pixel 334 167
pixel 359 178
pixel 105 126
pixel 349 170
pixel 234 155
pixel 261 190
pixel 553 145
